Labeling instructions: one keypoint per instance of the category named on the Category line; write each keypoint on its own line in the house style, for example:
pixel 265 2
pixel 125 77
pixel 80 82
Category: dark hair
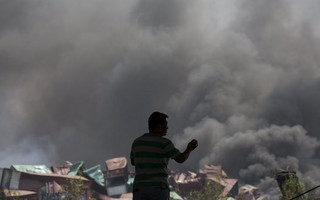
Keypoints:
pixel 155 119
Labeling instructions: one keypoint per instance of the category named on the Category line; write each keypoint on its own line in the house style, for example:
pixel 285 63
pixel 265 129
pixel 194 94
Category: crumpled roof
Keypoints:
pixel 61 169
pixel 116 163
pixel 194 181
pixel 96 174
pixel 249 192
pixel 247 189
pixel 74 169
pixel 227 183
pixel 214 170
pixel 216 174
pixel 32 168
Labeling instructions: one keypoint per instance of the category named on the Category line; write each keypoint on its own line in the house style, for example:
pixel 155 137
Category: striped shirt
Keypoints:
pixel 151 153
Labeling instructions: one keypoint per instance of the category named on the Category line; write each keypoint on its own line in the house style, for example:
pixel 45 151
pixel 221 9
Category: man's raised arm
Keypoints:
pixel 185 155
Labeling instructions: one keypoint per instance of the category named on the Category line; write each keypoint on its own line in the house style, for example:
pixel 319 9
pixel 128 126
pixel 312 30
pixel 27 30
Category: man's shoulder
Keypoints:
pixel 166 139
pixel 141 136
pixel 152 137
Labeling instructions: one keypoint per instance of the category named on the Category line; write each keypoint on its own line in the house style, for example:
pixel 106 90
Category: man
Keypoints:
pixel 150 154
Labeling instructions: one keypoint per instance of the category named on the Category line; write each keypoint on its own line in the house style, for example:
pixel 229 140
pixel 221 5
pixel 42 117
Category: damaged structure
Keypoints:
pixel 74 181
pixel 69 181
pixel 224 186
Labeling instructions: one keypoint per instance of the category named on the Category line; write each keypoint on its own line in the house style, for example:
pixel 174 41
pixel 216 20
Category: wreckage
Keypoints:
pixel 74 181
pixel 224 187
pixel 196 181
pixel 38 182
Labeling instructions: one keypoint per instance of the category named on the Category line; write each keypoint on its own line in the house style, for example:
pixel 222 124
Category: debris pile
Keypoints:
pixel 72 180
pixel 75 181
pixel 249 192
pixel 185 183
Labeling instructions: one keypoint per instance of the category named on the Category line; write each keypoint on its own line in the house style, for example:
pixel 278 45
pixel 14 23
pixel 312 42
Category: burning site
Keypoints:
pixel 79 79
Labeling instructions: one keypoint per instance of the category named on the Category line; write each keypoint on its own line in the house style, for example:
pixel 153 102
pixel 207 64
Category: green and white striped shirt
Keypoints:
pixel 151 153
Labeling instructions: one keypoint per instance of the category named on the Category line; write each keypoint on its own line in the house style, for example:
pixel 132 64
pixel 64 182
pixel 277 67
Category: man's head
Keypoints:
pixel 158 123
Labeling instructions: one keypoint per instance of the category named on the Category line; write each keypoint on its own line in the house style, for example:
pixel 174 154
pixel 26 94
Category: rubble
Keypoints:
pixel 38 182
pixel 191 181
pixel 249 192
pixel 116 176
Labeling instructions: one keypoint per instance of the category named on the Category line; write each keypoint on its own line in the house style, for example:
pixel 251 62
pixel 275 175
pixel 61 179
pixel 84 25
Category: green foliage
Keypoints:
pixel 291 188
pixel 73 189
pixel 314 193
pixel 210 191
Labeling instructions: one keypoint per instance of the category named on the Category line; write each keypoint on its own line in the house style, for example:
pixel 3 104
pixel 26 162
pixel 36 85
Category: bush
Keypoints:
pixel 211 190
pixel 291 187
pixel 74 189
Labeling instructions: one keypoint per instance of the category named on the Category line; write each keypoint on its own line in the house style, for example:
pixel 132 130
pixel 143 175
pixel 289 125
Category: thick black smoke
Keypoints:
pixel 78 80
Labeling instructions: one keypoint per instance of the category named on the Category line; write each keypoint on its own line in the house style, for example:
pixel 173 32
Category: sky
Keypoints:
pixel 79 79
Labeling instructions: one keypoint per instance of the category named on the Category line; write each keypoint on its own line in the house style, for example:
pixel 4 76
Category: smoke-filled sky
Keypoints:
pixel 78 80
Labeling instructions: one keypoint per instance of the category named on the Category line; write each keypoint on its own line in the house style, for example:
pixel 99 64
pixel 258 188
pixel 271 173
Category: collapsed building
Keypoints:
pixel 74 181
pixel 249 192
pixel 221 186
pixel 69 181
pixel 191 181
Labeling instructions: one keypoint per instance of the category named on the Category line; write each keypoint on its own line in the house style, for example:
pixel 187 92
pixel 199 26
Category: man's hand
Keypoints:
pixel 184 156
pixel 192 145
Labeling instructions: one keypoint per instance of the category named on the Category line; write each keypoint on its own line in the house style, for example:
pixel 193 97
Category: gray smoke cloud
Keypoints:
pixel 78 80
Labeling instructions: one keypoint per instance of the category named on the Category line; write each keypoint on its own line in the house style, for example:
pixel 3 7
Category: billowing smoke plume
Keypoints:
pixel 78 80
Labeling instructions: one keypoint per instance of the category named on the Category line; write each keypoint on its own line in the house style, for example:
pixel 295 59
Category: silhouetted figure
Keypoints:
pixel 150 154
